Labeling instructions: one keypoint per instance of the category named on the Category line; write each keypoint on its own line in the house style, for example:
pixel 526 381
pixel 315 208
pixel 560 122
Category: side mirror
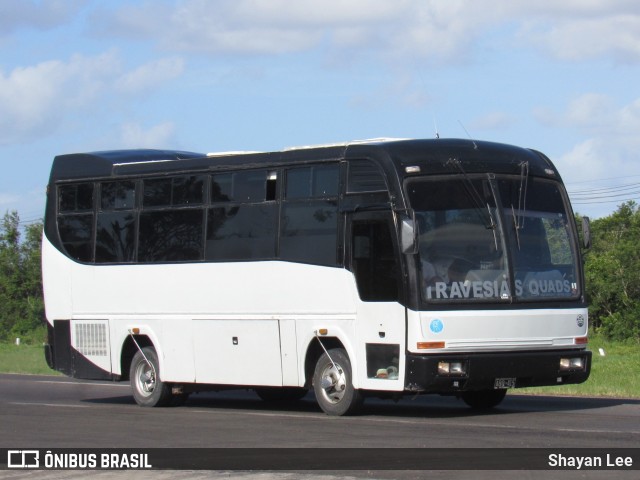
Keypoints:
pixel 586 232
pixel 409 235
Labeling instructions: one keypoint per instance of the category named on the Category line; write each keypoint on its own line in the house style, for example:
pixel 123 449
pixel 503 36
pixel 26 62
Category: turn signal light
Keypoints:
pixel 430 345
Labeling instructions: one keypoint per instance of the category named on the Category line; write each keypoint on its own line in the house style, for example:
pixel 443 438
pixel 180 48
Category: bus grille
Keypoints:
pixel 91 339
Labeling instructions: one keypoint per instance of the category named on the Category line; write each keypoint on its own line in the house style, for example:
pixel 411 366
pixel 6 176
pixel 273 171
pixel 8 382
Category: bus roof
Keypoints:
pixel 432 156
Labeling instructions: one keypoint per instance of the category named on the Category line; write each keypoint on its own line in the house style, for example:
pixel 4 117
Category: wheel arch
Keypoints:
pixel 129 349
pixel 314 352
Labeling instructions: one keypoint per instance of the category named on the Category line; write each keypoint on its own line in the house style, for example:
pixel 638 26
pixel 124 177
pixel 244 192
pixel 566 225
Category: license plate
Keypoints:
pixel 501 383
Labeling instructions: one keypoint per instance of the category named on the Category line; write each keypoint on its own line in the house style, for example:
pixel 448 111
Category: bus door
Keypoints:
pixel 373 257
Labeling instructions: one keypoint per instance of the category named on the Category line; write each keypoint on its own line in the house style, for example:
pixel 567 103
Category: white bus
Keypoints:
pixel 376 268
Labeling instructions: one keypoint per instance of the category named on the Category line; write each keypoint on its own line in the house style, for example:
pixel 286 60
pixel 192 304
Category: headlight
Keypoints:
pixel 573 363
pixel 451 368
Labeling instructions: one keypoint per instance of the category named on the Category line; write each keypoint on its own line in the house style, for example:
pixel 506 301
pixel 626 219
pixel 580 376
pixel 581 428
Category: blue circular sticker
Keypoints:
pixel 436 325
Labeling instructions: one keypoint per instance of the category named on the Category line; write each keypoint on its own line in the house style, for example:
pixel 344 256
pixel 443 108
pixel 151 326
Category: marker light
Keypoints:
pixel 412 169
pixel 427 345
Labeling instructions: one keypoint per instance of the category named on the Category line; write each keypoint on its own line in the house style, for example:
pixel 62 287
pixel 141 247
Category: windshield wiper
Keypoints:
pixel 493 227
pixel 518 221
pixel 478 200
pixel 516 227
pixel 473 193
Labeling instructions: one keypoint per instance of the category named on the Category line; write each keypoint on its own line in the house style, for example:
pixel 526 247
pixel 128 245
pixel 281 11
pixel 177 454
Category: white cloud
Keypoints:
pixel 133 135
pixel 41 15
pixel 33 99
pixel 439 30
pixel 612 36
pixel 598 114
pixel 37 100
pixel 402 91
pixel 610 142
pixel 151 74
pixel 275 27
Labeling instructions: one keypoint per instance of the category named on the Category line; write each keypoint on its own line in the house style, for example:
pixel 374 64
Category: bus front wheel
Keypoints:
pixel 148 389
pixel 333 385
pixel 483 399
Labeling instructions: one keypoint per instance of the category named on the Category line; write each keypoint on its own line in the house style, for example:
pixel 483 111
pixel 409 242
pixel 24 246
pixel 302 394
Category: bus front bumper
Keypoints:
pixel 451 373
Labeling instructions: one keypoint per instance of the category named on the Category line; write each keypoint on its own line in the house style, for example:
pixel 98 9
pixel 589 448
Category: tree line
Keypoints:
pixel 21 298
pixel 612 270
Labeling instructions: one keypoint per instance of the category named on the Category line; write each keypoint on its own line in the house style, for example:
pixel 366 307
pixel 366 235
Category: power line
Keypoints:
pixel 592 201
pixel 626 177
pixel 605 189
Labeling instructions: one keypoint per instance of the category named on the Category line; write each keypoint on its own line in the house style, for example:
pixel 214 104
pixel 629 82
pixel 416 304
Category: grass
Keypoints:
pixel 616 374
pixel 24 359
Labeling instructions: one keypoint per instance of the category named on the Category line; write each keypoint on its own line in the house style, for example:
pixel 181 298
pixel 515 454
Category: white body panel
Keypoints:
pixel 252 323
pixel 484 330
pixel 193 312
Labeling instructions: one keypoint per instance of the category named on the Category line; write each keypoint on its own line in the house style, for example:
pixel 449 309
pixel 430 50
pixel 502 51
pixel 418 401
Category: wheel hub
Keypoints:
pixel 146 379
pixel 333 383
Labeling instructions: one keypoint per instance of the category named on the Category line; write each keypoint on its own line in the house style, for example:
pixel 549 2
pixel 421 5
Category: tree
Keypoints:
pixel 21 298
pixel 613 273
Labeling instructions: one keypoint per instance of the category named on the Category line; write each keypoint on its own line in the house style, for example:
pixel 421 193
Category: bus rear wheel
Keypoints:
pixel 333 385
pixel 148 389
pixel 483 399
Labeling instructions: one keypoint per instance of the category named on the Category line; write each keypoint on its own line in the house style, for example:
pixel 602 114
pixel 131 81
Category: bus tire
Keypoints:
pixel 148 389
pixel 483 399
pixel 334 388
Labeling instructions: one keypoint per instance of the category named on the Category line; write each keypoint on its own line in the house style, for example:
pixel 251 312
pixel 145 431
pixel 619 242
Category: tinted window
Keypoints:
pixel 76 233
pixel 374 261
pixel 170 235
pixel 157 192
pixel 313 182
pixel 117 195
pixel 115 237
pixel 222 187
pixel 243 187
pixel 242 232
pixel 75 198
pixel 188 190
pixel 309 232
pixel 365 176
pixel 182 190
pixel 76 230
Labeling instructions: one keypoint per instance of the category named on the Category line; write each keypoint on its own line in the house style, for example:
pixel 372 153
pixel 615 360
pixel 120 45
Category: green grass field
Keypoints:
pixel 23 359
pixel 617 374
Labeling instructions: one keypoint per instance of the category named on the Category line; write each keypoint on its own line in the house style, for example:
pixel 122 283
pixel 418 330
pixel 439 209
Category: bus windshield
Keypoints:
pixel 486 238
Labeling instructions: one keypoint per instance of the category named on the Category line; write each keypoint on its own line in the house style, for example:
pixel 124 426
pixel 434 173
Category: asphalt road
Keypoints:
pixel 58 412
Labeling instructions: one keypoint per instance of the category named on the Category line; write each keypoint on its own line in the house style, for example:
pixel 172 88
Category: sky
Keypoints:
pixel 219 75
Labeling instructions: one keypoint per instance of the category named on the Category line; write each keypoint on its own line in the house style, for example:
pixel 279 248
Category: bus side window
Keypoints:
pixel 172 219
pixel 309 224
pixel 374 260
pixel 116 225
pixel 242 219
pixel 76 219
